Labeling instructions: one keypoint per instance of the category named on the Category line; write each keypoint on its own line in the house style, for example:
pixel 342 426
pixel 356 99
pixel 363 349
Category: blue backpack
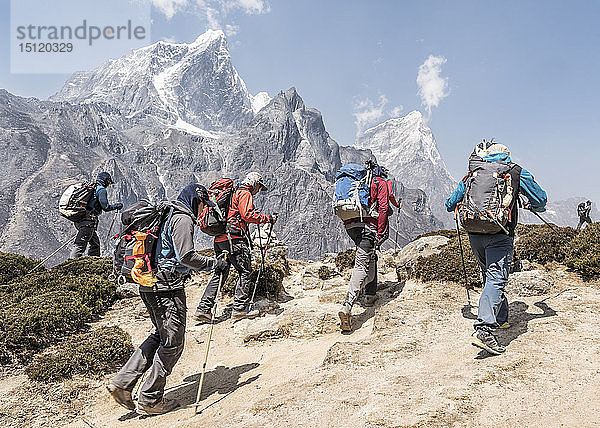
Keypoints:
pixel 352 191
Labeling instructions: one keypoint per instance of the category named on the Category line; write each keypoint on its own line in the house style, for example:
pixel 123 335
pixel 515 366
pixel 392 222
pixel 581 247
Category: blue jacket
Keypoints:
pixel 527 186
pixel 99 201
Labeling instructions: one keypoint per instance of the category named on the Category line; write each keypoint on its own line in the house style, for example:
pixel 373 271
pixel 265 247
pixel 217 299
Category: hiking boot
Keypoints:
pixel 345 315
pixel 244 314
pixel 504 325
pixel 369 299
pixel 485 340
pixel 202 317
pixel 121 396
pixel 163 406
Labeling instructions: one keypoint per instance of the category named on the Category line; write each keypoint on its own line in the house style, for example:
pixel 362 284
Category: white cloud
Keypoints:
pixel 432 86
pixel 396 111
pixel 252 7
pixel 367 113
pixel 231 30
pixel 170 7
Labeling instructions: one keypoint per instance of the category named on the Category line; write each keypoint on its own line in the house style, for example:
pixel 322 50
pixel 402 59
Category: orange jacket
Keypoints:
pixel 241 212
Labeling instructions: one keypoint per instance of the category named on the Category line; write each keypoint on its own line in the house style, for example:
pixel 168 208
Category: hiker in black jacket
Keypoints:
pixel 166 305
pixel 86 228
pixel 583 210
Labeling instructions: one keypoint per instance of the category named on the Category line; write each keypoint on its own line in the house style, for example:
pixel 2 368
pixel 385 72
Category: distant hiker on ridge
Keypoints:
pixel 165 301
pixel 583 210
pixel 486 201
pixel 361 200
pixel 236 240
pixel 86 227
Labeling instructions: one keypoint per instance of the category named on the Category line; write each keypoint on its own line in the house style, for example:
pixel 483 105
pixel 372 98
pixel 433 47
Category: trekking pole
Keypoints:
pixel 263 253
pixel 64 244
pixel 110 230
pixel 539 216
pixel 397 222
pixel 212 324
pixel 462 257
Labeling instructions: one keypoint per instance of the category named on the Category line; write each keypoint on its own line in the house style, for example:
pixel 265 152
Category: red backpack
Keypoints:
pixel 213 220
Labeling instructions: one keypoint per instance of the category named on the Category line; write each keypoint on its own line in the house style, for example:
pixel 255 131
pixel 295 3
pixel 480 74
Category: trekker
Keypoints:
pixel 390 186
pixel 166 305
pixel 491 168
pixel 86 228
pixel 236 241
pixel 583 210
pixel 368 235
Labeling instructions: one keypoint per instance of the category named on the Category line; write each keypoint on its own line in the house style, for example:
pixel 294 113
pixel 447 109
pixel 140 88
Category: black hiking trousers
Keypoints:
pixel 161 350
pixel 241 259
pixel 86 234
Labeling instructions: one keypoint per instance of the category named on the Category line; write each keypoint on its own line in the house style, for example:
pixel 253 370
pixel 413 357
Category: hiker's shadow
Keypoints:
pixel 518 318
pixel 386 292
pixel 221 379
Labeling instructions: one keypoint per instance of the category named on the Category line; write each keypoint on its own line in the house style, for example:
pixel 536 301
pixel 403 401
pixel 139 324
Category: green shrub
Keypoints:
pixel 89 354
pixel 345 259
pixel 41 309
pixel 325 273
pixel 583 251
pixel 15 265
pixel 447 265
pixel 270 282
pixel 539 243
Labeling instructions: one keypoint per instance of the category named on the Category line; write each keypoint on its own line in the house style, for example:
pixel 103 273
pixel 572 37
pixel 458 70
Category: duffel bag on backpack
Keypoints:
pixel 134 257
pixel 352 192
pixel 489 196
pixel 74 201
pixel 213 220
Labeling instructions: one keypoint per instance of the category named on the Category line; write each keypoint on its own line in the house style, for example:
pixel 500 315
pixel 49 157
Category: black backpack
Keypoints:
pixel 74 201
pixel 135 254
pixel 490 196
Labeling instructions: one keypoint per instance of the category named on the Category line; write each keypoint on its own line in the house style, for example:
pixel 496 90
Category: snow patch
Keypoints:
pixel 259 101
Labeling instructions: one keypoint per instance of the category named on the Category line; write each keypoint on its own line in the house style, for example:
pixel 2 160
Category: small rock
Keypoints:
pixel 127 290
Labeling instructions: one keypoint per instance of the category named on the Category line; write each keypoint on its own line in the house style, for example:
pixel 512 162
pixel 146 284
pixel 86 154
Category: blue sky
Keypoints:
pixel 524 72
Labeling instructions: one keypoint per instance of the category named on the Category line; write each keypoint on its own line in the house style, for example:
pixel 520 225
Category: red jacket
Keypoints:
pixel 379 200
pixel 241 212
pixel 392 198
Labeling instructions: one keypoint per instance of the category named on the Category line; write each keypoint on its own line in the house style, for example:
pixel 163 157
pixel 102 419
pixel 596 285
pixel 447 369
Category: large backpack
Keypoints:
pixel 74 201
pixel 135 255
pixel 352 192
pixel 213 220
pixel 490 196
pixel 581 209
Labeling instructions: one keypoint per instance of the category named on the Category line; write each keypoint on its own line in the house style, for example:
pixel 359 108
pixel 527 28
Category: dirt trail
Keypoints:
pixel 410 363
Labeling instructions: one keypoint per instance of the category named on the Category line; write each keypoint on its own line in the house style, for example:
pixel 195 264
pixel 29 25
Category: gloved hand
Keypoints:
pixel 118 206
pixel 220 264
pixel 273 218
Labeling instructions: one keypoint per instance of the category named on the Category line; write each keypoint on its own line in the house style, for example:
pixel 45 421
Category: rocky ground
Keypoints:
pixel 409 361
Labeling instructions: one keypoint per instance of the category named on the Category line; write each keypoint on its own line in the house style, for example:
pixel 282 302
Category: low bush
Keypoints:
pixel 39 310
pixel 270 281
pixel 541 244
pixel 15 265
pixel 345 259
pixel 582 253
pixel 89 354
pixel 447 265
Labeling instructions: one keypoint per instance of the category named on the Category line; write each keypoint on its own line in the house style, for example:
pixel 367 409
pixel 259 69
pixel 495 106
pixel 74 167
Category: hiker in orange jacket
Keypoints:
pixel 236 241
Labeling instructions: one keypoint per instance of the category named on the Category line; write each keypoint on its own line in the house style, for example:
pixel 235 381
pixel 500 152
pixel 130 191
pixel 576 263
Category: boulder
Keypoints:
pixel 530 283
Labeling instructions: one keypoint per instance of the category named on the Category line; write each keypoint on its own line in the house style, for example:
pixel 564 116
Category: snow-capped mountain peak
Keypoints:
pixel 176 83
pixel 406 146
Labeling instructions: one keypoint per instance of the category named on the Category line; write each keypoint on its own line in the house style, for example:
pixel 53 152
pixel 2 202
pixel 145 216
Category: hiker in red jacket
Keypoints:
pixel 236 241
pixel 368 235
pixel 390 186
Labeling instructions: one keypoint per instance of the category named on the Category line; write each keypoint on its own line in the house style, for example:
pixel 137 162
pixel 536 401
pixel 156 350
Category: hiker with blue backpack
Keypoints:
pixel 92 200
pixel 487 201
pixel 159 241
pixel 361 200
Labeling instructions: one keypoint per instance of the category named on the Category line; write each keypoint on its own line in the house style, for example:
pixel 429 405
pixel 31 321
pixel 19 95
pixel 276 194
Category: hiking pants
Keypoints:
pixel 494 255
pixel 161 350
pixel 241 259
pixel 582 220
pixel 86 234
pixel 365 263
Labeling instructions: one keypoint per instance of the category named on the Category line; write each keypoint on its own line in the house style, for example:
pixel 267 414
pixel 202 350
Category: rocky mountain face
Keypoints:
pixel 406 146
pixel 50 145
